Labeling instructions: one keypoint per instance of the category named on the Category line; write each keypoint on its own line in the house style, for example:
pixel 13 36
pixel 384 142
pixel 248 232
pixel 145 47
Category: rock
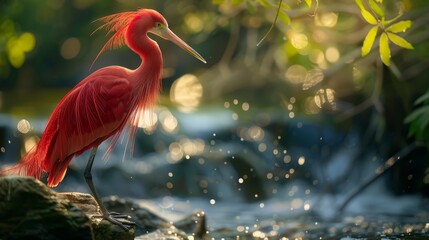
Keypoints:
pixel 152 226
pixel 102 229
pixel 31 210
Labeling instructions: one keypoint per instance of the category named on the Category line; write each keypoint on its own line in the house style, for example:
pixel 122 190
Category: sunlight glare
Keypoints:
pixel 23 126
pixel 296 74
pixel 255 133
pixel 148 120
pixel 332 54
pixel 186 92
pixel 324 96
pixel 328 19
pixel 175 153
pixel 312 78
pixel 168 122
pixel 298 40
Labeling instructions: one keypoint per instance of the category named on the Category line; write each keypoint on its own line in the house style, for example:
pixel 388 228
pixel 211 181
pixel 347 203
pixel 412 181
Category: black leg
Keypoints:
pixel 112 217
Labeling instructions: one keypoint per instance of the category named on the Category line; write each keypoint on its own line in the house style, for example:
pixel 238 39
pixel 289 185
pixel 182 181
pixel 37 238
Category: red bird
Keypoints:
pixel 102 104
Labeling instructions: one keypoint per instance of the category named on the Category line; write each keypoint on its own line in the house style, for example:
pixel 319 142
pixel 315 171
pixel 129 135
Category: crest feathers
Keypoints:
pixel 117 24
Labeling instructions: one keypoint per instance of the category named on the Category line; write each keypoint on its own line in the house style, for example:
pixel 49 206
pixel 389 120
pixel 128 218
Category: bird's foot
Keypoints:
pixel 121 220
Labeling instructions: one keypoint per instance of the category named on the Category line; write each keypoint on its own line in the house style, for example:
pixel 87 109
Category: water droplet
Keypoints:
pixel 301 160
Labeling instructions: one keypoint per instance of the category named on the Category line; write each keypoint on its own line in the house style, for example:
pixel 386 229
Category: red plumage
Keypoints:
pixel 101 105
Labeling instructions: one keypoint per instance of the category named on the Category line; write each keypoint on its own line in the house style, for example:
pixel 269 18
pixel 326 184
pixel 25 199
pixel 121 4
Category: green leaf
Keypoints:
pixel 384 49
pixel 368 17
pixel 401 26
pixel 419 121
pixel 376 8
pixel 285 6
pixel 309 2
pixel 250 7
pixel 416 114
pixel 264 3
pixel 369 41
pixel 284 18
pixel 365 14
pixel 360 4
pixel 399 41
pixel 422 99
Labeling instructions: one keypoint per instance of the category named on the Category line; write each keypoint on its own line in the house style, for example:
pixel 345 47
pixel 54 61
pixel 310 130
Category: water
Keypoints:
pixel 389 218
pixel 254 183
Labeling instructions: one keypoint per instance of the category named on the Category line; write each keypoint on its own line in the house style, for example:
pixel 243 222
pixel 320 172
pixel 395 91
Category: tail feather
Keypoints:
pixel 57 173
pixel 29 165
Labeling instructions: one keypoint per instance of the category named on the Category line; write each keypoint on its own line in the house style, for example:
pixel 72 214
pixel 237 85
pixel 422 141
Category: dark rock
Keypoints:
pixel 31 210
pixel 152 226
pixel 102 229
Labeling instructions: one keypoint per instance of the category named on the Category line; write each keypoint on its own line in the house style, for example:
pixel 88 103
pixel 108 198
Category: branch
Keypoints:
pixel 388 165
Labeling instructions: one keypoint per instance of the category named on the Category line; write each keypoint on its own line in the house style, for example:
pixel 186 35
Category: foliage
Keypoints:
pixel 389 29
pixel 322 49
pixel 419 119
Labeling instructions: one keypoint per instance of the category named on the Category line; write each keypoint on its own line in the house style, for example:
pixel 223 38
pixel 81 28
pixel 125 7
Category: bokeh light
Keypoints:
pixel 24 126
pixel 324 96
pixel 186 92
pixel 70 48
pixel 332 54
pixel 296 74
pixel 168 121
pixel 327 19
pixel 298 40
pixel 147 120
pixel 17 46
pixel 312 78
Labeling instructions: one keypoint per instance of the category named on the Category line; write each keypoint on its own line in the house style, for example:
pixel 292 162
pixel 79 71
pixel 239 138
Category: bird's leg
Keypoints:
pixel 112 217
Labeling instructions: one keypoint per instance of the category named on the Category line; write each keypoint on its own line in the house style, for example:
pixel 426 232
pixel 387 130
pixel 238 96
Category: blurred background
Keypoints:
pixel 301 119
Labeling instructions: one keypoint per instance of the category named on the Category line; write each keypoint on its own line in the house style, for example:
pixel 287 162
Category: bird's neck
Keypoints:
pixel 147 77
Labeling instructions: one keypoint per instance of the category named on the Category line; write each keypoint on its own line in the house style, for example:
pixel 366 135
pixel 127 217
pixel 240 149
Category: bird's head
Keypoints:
pixel 160 28
pixel 145 19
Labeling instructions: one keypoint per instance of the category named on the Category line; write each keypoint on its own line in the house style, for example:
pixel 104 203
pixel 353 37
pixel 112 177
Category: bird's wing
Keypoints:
pixel 94 110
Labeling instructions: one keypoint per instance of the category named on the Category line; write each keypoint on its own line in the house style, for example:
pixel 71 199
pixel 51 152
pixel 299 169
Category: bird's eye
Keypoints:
pixel 159 25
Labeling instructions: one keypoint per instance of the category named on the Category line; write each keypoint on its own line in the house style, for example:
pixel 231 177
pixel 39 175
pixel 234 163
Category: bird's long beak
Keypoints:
pixel 167 34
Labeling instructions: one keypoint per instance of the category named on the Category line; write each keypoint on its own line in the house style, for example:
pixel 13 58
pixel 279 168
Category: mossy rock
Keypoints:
pixel 31 210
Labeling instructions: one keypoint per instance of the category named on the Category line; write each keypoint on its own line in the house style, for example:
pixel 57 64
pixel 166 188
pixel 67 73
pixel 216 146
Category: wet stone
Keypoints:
pixel 151 226
pixel 31 210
